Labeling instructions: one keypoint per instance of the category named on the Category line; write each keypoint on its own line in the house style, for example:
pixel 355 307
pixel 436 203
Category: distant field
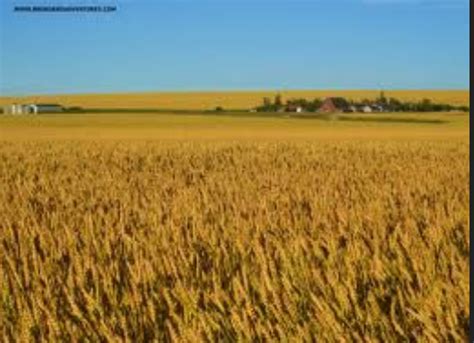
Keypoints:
pixel 229 100
pixel 242 126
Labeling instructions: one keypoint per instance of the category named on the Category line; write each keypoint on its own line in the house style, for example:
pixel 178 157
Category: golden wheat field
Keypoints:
pixel 230 99
pixel 271 230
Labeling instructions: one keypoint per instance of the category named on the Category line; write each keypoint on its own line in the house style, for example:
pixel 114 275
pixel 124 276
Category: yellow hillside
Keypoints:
pixel 228 100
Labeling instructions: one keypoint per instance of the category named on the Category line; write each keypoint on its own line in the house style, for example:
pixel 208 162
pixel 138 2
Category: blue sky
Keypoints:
pixel 230 44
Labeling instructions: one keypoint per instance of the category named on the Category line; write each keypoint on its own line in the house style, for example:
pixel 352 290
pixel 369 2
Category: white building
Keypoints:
pixel 352 109
pixel 14 109
pixel 19 109
pixel 367 109
pixel 378 108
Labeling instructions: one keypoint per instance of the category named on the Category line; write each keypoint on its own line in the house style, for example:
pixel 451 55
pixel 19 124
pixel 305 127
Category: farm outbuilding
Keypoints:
pixel 328 106
pixel 19 109
pixel 44 108
pixel 378 108
pixel 294 108
pixel 352 109
pixel 13 109
pixel 367 109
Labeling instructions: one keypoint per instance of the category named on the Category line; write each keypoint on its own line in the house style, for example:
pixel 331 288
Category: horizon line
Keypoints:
pixel 237 90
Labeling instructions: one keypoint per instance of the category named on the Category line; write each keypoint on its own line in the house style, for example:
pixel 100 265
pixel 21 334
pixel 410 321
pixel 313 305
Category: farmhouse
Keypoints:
pixel 19 109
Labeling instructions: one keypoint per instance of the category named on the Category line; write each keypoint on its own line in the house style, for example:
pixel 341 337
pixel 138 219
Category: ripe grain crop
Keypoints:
pixel 234 241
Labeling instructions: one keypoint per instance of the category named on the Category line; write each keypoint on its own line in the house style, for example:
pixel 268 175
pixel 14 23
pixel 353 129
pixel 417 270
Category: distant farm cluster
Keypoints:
pixel 340 104
pixel 328 105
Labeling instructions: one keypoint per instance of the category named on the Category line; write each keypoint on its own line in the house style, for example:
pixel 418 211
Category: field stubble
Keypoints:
pixel 186 241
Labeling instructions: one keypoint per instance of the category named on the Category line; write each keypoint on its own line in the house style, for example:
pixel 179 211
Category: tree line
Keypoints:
pixel 381 103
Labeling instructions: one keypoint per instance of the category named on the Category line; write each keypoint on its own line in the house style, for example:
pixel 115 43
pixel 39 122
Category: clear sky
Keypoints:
pixel 156 45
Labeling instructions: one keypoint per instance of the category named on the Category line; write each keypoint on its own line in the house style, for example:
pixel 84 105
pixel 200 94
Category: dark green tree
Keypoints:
pixel 267 102
pixel 341 103
pixel 278 101
pixel 382 99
